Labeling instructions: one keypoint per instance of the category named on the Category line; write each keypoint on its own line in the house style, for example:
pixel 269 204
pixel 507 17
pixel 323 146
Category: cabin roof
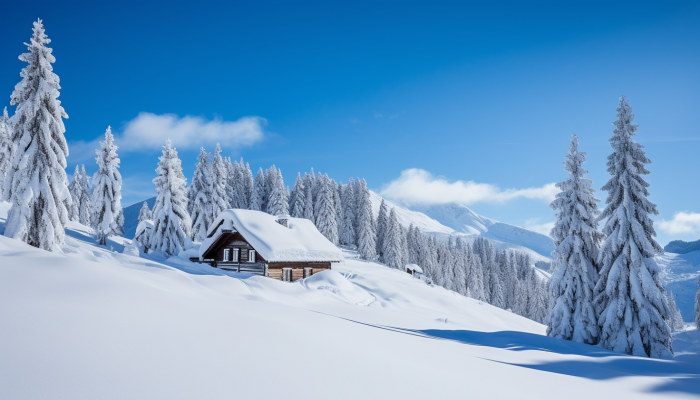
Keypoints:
pixel 298 241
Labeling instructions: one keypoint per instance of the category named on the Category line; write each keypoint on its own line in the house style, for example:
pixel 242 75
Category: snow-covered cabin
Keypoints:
pixel 279 247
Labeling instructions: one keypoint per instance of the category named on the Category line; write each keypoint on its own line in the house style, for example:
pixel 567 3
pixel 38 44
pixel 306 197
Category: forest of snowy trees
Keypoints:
pixel 606 287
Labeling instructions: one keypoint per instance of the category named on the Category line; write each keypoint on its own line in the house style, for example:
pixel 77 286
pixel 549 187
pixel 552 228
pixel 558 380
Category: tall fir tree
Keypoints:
pixel 145 213
pixel 6 148
pixel 36 184
pixel 298 199
pixel 326 220
pixel 382 227
pixel 676 320
pixel 278 198
pixel 366 236
pixel 392 252
pixel 106 205
pixel 577 242
pixel 200 197
pixel 630 298
pixel 257 198
pixel 75 188
pixel 309 206
pixel 85 208
pixel 246 183
pixel 171 222
pixel 218 200
pixel 346 233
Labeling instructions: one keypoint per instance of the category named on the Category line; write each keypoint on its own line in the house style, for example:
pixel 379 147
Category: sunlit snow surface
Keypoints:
pixel 93 323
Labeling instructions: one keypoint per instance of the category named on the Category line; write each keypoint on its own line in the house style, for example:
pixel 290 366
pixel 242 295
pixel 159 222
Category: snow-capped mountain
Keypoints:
pixel 454 219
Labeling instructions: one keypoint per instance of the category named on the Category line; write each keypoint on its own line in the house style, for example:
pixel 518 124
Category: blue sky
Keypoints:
pixel 423 95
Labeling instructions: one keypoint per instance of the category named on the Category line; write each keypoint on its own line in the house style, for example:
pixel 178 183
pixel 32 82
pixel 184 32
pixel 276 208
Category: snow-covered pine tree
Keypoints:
pixel 257 198
pixel 106 202
pixel 630 298
pixel 392 251
pixel 475 279
pixel 75 188
pixel 577 241
pixel 337 203
pixel 85 212
pixel 277 203
pixel 145 213
pixel 230 185
pixel 218 201
pixel 171 222
pixel 366 237
pixel 200 194
pixel 309 182
pixel 326 220
pixel 36 184
pixel 5 148
pixel 382 227
pixel 297 207
pixel 347 225
pixel 676 320
pixel 246 183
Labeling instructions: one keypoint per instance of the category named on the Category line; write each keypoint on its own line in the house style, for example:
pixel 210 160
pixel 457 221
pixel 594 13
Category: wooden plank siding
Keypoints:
pixel 214 256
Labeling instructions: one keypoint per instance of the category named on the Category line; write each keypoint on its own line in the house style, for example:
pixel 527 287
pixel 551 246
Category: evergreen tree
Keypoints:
pixel 75 188
pixel 277 203
pixel 309 206
pixel 257 198
pixel 145 213
pixel 171 222
pixel 218 201
pixel 231 182
pixel 247 183
pixel 298 201
pixel 475 279
pixel 347 225
pixel 676 320
pixel 106 202
pixel 85 207
pixel 6 148
pixel 326 220
pixel 576 240
pixel 382 225
pixel 392 251
pixel 200 196
pixel 36 184
pixel 630 297
pixel 366 237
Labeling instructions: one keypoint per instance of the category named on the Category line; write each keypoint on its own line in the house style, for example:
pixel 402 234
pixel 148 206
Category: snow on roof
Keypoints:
pixel 414 267
pixel 299 241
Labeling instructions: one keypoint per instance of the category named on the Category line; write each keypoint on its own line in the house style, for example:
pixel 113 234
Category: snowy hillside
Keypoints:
pixel 681 273
pixel 93 323
pixel 458 220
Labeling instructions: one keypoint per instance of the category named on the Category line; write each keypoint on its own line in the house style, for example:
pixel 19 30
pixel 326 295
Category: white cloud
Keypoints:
pixel 534 225
pixel 417 186
pixel 149 131
pixel 682 223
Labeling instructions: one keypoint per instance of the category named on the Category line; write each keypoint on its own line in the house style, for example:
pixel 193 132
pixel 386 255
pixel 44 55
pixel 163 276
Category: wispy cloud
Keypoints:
pixel 417 186
pixel 149 131
pixel 682 223
pixel 534 225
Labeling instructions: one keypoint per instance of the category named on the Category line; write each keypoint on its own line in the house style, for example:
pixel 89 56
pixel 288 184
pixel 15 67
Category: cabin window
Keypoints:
pixel 287 274
pixel 251 256
pixel 307 272
pixel 227 254
pixel 236 255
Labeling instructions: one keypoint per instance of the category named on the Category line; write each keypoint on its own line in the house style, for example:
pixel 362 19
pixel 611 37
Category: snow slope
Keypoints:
pixel 92 323
pixel 681 273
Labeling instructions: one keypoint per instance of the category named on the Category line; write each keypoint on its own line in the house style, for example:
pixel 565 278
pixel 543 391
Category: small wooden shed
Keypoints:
pixel 281 247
